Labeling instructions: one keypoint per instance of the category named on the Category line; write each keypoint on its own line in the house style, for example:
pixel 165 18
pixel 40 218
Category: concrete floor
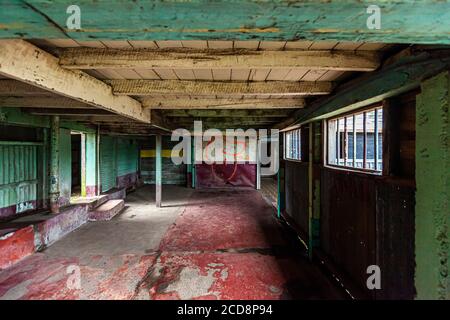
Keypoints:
pixel 211 244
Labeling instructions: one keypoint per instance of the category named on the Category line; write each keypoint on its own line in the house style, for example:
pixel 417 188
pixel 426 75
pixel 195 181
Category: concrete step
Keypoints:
pixel 117 193
pixel 91 202
pixel 107 210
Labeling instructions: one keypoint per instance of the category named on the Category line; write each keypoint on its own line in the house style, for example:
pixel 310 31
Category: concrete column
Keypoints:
pixel 158 170
pixel 433 188
pixel 54 164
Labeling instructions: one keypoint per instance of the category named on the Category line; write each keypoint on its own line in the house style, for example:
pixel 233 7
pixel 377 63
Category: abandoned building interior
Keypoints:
pixel 93 206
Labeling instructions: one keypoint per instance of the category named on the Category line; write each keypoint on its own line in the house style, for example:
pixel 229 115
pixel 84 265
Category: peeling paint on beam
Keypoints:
pixel 25 62
pixel 222 103
pixel 106 58
pixel 177 87
pixel 395 79
pixel 402 21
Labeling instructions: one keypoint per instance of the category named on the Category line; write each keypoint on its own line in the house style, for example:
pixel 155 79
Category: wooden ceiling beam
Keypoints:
pixel 105 58
pixel 222 103
pixel 195 88
pixel 25 62
pixel 276 113
pixel 68 112
pixel 42 102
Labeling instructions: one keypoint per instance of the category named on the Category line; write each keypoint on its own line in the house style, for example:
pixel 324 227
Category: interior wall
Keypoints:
pixel 361 219
pixel 118 162
pixel 171 173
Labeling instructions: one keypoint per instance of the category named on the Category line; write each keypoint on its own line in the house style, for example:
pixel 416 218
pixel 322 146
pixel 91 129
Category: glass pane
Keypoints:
pixel 380 139
pixel 332 148
pixel 341 141
pixel 299 145
pixel 359 129
pixel 370 147
pixel 349 142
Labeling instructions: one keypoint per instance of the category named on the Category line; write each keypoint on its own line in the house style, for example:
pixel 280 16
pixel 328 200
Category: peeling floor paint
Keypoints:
pixel 212 245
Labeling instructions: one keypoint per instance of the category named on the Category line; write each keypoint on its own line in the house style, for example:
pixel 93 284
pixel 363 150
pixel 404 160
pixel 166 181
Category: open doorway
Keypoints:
pixel 77 165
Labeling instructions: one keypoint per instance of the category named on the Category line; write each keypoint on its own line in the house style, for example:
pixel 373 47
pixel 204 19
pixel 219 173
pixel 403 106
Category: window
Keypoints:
pixel 293 145
pixel 356 140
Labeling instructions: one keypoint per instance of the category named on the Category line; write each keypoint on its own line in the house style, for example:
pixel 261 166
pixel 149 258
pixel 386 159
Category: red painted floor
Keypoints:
pixel 223 245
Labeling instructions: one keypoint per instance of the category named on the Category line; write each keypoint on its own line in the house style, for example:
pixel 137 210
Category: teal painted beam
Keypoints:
pixel 396 79
pixel 426 21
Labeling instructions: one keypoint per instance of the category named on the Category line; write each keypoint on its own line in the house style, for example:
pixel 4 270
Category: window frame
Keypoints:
pixel 299 141
pixel 355 113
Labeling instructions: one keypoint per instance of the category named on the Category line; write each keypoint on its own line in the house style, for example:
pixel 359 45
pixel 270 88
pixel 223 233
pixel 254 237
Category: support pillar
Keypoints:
pixel 54 164
pixel 92 184
pixel 158 170
pixel 433 188
pixel 258 165
pixel 280 180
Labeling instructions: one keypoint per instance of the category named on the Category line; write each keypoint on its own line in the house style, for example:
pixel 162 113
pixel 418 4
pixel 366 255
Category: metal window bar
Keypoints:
pixel 364 140
pixel 345 142
pixel 375 140
pixel 337 142
pixel 354 141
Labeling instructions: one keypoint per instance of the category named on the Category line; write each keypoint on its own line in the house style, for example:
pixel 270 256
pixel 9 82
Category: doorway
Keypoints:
pixel 77 164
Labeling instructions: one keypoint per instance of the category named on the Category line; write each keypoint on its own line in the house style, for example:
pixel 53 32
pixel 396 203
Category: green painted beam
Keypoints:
pixel 433 189
pixel 425 21
pixel 391 81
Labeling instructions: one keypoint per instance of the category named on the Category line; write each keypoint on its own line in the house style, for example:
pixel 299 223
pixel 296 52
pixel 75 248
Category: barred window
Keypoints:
pixel 293 144
pixel 356 140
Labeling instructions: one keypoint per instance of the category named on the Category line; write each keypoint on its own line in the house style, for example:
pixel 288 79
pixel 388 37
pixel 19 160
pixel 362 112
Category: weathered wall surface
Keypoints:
pixel 433 188
pixel 171 173
pixel 360 219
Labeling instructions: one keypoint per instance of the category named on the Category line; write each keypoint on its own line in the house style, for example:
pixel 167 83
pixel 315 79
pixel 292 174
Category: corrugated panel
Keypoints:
pixel 127 157
pixel 18 176
pixel 107 163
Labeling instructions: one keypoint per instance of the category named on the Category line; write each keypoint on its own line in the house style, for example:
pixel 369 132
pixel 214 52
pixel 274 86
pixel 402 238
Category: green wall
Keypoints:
pixel 433 188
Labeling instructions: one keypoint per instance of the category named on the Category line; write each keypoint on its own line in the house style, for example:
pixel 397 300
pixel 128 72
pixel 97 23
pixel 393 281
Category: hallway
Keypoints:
pixel 202 244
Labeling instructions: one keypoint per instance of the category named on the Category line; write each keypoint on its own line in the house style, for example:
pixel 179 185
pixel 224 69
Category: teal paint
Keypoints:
pixel 108 172
pixel 54 164
pixel 158 167
pixel 127 156
pixel 18 176
pixel 91 164
pixel 194 173
pixel 17 117
pixel 433 188
pixel 391 81
pixel 65 167
pixel 336 20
